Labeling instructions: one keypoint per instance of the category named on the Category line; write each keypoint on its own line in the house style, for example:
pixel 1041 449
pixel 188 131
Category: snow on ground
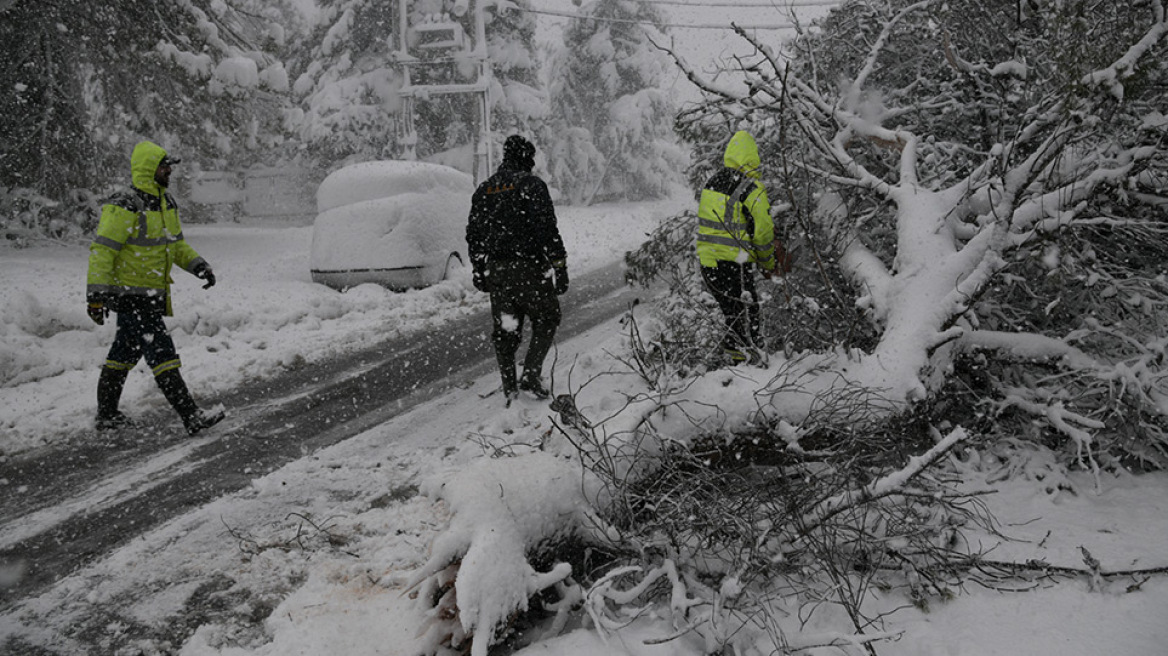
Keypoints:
pixel 323 547
pixel 264 316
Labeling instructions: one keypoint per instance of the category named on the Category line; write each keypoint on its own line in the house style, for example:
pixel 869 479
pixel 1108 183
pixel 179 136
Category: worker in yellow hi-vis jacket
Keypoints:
pixel 138 239
pixel 735 234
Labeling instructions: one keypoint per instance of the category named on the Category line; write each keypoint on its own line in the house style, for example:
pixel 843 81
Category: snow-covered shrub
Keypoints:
pixel 24 214
pixel 103 77
pixel 27 216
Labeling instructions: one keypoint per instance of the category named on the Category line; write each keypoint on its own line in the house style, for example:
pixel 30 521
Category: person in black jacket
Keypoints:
pixel 518 257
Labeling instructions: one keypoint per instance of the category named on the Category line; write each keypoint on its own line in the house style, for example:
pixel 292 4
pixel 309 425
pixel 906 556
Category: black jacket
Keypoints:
pixel 512 218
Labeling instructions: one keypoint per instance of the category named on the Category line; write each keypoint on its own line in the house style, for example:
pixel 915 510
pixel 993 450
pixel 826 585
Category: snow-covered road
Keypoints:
pixel 300 367
pixel 79 501
pixel 308 557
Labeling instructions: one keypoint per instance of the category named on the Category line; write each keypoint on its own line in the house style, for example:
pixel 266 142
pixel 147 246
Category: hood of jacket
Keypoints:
pixel 518 154
pixel 144 164
pixel 742 154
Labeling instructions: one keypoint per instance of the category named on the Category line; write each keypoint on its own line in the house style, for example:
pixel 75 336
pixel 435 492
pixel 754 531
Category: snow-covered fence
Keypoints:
pixel 262 192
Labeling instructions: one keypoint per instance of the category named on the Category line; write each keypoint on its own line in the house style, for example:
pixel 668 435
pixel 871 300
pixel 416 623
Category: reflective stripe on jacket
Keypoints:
pixel 139 236
pixel 734 213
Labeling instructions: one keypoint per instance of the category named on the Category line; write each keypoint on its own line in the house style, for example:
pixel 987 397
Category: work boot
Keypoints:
pixel 532 385
pixel 175 390
pixel 110 384
pixel 734 355
pixel 202 419
pixel 117 421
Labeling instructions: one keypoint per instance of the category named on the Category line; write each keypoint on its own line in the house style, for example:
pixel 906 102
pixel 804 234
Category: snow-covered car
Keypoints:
pixel 401 224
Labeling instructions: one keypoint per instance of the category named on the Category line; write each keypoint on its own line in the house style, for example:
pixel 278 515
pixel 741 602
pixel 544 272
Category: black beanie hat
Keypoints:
pixel 519 151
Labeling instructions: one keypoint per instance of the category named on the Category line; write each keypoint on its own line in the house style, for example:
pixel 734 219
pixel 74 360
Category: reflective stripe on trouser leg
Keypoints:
pixel 167 366
pixel 143 334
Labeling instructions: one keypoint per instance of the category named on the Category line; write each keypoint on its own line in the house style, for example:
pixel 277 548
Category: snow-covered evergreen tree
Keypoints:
pixel 84 81
pixel 610 135
pixel 346 83
pixel 350 79
pixel 518 99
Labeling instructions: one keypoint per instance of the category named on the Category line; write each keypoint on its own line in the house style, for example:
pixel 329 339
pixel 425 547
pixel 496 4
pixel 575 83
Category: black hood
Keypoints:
pixel 518 153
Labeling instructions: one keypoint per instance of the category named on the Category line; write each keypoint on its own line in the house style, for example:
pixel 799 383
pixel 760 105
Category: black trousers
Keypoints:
pixel 142 333
pixel 522 290
pixel 733 287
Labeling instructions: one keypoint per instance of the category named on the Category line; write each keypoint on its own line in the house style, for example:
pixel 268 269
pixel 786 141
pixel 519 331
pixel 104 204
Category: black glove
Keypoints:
pixel 96 308
pixel 561 269
pixel 480 280
pixel 203 270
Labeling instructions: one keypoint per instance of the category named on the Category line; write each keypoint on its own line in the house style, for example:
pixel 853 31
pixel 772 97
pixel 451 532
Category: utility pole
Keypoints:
pixel 441 42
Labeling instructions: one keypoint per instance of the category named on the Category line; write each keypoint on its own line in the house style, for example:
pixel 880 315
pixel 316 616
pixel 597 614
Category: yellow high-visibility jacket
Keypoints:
pixel 734 214
pixel 138 238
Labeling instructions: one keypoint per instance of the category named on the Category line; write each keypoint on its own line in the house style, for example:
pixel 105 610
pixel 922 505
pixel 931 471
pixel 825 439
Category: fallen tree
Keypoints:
pixel 988 207
pixel 1010 209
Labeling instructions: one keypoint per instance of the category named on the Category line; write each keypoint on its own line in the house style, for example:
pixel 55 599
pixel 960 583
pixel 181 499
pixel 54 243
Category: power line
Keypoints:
pixel 691 26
